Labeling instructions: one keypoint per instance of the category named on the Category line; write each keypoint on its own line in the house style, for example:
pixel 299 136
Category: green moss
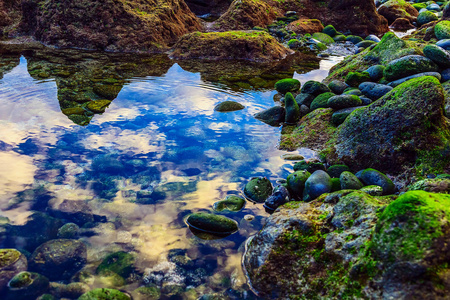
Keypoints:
pixel 323 38
pixel 21 280
pixel 354 79
pixel 104 294
pixel 287 85
pixel 321 101
pixel 121 263
pixel 8 257
pixel 442 30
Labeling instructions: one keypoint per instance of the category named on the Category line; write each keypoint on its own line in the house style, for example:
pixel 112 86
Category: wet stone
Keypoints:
pixel 230 203
pixel 258 189
pixel 211 223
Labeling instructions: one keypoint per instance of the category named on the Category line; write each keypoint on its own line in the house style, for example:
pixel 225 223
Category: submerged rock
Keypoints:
pixel 120 263
pixel 27 285
pixel 230 203
pixel 59 259
pixel 11 263
pixel 103 293
pixel 258 189
pixel 210 223
pixel 227 106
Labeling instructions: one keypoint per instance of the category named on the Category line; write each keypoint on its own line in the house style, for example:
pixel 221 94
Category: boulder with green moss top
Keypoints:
pixel 335 170
pixel 11 263
pixel 426 17
pixel 323 38
pixel 227 106
pixel 337 86
pixel 59 259
pixel 210 223
pixel 296 183
pixel 343 101
pixel 258 189
pixel 310 166
pixel 330 30
pixel 120 263
pixel 104 294
pixel 437 54
pixel 442 30
pixel 314 88
pixel 286 85
pixel 409 65
pixel 321 101
pixel 349 181
pixel 394 9
pixel 292 109
pixel 356 78
pixel 313 131
pixel 230 203
pixel 389 48
pixel 375 177
pixel 260 46
pixel 413 129
pixel 27 285
pixel 339 116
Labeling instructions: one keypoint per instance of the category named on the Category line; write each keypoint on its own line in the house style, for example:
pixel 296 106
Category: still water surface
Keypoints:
pixel 158 153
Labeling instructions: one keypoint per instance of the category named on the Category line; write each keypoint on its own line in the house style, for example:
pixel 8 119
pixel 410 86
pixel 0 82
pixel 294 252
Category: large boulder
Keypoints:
pixel 147 25
pixel 394 9
pixel 355 16
pixel 395 130
pixel 350 245
pixel 258 45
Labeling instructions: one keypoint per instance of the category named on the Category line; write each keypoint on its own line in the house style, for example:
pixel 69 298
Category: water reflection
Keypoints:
pixel 130 176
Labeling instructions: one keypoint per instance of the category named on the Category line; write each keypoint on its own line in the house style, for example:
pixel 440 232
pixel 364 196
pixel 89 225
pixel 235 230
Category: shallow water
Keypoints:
pixel 158 153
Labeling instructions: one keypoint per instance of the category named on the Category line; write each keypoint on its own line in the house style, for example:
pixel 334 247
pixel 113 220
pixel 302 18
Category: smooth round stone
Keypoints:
pixel 321 101
pixel 434 7
pixel 27 285
pixel 437 54
pixel 353 91
pixel 376 72
pixel 249 217
pixel 230 203
pixel 365 101
pixel 335 170
pixel 330 30
pixel 445 75
pixel 287 85
pixel 356 78
pixel 11 262
pixel 344 101
pixel 314 88
pixel 425 17
pixel 339 38
pixel 69 231
pixel 309 166
pixel 374 177
pixel 445 44
pixel 104 294
pixel 372 37
pixel 373 190
pixel 354 39
pixel 337 86
pixel 407 66
pixel 279 197
pixel 273 116
pixel 292 156
pixel 365 44
pixel 317 184
pixel 374 90
pixel 211 223
pixel 402 80
pixel 304 99
pixel 339 116
pixel 258 189
pixel 349 181
pixel 296 182
pixel 59 259
pixel 227 106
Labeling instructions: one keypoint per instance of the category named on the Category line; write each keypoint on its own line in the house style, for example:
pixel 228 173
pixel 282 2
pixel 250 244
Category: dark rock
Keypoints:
pixel 437 54
pixel 317 184
pixel 59 259
pixel 356 78
pixel 258 189
pixel 296 183
pixel 311 167
pixel 344 101
pixel 350 181
pixel 292 109
pixel 27 285
pixel 374 177
pixel 279 197
pixel 339 116
pixel 273 116
pixel 374 90
pixel 314 88
pixel 375 72
pixel 228 106
pixel 337 86
pixel 304 99
pixel 11 263
pixel 402 24
pixel 335 170
pixel 405 79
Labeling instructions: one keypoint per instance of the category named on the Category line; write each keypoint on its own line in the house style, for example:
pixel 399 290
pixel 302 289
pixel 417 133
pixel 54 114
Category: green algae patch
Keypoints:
pixel 8 257
pixel 104 294
pixel 408 227
pixel 121 263
pixel 260 46
pixel 211 223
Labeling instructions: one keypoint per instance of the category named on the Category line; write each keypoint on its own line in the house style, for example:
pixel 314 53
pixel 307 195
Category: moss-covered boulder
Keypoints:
pixel 260 46
pixel 408 65
pixel 120 263
pixel 343 101
pixel 374 177
pixel 59 259
pixel 296 183
pixel 292 109
pixel 27 285
pixel 321 101
pixel 349 181
pixel 394 9
pixel 210 223
pixel 314 88
pixel 227 106
pixel 335 170
pixel 426 17
pixel 104 294
pixel 437 54
pixel 286 85
pixel 258 189
pixel 230 203
pixel 317 184
pixel 339 116
pixel 323 38
pixel 304 26
pixel 442 30
pixel 412 125
pixel 330 30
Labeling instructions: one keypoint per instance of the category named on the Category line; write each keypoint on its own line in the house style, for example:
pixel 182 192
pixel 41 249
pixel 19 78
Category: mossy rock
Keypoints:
pixel 292 110
pixel 442 30
pixel 98 106
pixel 335 184
pixel 350 181
pixel 272 116
pixel 375 177
pixel 330 30
pixel 409 65
pixel 339 116
pixel 354 39
pixel 296 183
pixel 323 38
pixel 314 88
pixel 343 101
pixel 147 293
pixel 354 79
pixel 286 85
pixel 27 285
pixel 258 189
pixel 210 223
pixel 426 17
pixel 230 203
pixel 335 170
pixel 227 106
pixel 104 294
pixel 437 54
pixel 121 263
pixel 321 101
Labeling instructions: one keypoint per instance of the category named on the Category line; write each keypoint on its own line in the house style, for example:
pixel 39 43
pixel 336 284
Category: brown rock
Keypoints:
pixel 306 26
pixel 402 24
pixel 259 46
pixel 394 9
pixel 136 26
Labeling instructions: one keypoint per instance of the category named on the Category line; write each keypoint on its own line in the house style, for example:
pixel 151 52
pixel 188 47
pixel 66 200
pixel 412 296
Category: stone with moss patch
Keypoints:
pixel 323 38
pixel 211 223
pixel 343 101
pixel 227 106
pixel 321 101
pixel 98 106
pixel 292 109
pixel 356 78
pixel 230 203
pixel 442 30
pixel 121 263
pixel 296 182
pixel 104 294
pixel 258 189
pixel 287 85
pixel 426 17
